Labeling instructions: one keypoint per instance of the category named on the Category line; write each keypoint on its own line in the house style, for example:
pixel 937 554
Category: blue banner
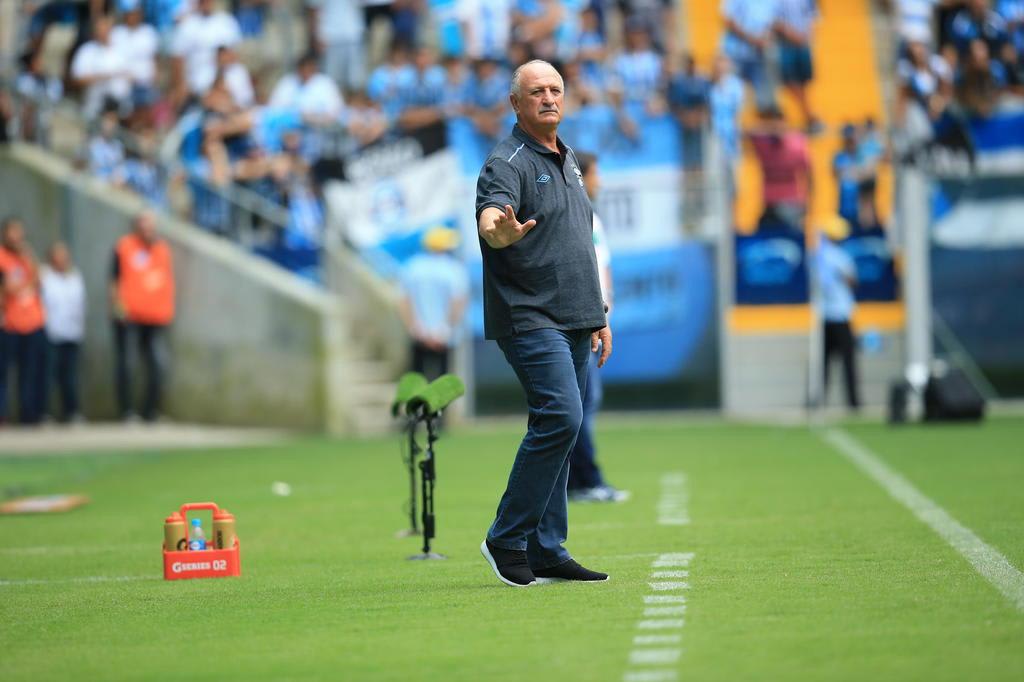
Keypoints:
pixel 771 269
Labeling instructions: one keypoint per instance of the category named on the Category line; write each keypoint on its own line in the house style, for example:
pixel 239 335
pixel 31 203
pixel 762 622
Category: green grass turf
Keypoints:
pixel 803 568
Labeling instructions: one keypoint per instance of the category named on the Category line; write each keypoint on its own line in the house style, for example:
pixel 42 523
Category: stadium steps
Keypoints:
pixel 847 87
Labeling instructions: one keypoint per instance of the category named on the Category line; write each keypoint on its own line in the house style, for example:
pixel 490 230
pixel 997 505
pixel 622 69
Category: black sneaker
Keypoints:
pixel 569 570
pixel 509 565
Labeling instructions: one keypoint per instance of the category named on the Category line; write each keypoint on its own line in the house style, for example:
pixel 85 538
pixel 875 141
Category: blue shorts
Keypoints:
pixel 795 64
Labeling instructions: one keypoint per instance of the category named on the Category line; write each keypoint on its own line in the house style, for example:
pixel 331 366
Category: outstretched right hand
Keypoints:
pixel 500 229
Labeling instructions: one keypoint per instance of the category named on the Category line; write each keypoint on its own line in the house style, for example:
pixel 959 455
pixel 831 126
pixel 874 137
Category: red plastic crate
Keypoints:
pixel 205 563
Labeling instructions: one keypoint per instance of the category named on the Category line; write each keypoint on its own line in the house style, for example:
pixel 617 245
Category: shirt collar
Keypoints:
pixel 533 144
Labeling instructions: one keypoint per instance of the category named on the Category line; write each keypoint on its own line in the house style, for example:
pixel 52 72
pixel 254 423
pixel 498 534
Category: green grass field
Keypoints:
pixel 803 567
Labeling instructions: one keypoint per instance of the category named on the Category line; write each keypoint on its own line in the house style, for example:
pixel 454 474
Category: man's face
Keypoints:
pixel 539 102
pixel 101 30
pixel 206 7
pixel 14 235
pixel 145 227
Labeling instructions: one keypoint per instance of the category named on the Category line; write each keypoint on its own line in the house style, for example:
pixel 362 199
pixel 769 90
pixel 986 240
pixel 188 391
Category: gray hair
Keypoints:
pixel 517 75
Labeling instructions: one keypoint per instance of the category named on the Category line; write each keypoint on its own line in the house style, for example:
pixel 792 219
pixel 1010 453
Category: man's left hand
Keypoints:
pixel 603 338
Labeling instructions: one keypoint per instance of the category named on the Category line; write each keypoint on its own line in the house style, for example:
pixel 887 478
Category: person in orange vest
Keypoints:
pixel 24 338
pixel 142 305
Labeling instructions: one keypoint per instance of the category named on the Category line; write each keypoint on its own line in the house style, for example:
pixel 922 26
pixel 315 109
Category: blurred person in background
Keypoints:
pixel 786 173
pixel 102 72
pixel 337 35
pixel 306 90
pixel 978 21
pixel 638 72
pixel 64 297
pixel 24 319
pixel 689 95
pixel 421 95
pixel 657 15
pixel 586 482
pixel 836 275
pixel 138 43
pixel 725 102
pixel 435 288
pixel 486 27
pixel 40 93
pixel 105 150
pixel 794 26
pixel 194 49
pixel 142 306
pixel 848 173
pixel 748 32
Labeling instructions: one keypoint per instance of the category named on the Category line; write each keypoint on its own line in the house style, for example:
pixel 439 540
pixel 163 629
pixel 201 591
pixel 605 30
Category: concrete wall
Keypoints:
pixel 251 344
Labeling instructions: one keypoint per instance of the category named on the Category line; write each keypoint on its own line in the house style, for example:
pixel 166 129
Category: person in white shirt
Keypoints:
pixel 194 49
pixel 338 29
pixel 236 78
pixel 63 293
pixel 101 71
pixel 314 95
pixel 138 43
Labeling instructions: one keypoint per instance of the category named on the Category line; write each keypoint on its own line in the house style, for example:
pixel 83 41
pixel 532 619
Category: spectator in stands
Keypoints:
pixel 592 47
pixel 63 293
pixel 488 98
pixel 141 173
pixel 586 482
pixel 138 44
pixel 435 290
pixel 295 189
pixel 638 72
pixel 977 21
pixel 659 18
pixel 337 32
pixel 39 93
pixel 101 70
pixel 980 81
pixel 422 95
pixel 848 175
pixel 689 97
pixel 1012 12
pixel 313 94
pixel 793 28
pixel 486 27
pixel 106 151
pixel 836 274
pixel 363 118
pixel 235 77
pixel 925 78
pixel 250 15
pixel 915 20
pixel 194 49
pixel 787 177
pixel 387 80
pixel 1011 62
pixel 142 306
pixel 725 102
pixel 536 23
pixel 24 338
pixel 748 25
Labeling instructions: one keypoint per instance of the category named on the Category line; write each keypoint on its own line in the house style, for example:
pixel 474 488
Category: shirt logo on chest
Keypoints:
pixel 579 175
pixel 543 179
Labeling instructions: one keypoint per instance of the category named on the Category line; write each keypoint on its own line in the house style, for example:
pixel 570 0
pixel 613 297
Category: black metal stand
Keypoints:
pixel 427 478
pixel 414 450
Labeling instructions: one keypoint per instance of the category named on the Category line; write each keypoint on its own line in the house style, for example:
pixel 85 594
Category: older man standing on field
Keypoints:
pixel 542 303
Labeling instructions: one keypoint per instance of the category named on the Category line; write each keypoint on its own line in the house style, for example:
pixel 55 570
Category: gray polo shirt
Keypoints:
pixel 548 279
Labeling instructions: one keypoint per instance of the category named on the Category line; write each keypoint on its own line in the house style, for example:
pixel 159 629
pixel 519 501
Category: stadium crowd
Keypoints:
pixel 172 70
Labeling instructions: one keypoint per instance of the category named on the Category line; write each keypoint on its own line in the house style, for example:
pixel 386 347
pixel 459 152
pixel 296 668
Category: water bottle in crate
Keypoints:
pixel 219 559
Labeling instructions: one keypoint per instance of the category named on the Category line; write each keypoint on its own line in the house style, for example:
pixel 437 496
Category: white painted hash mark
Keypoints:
pixel 664 611
pixel 985 559
pixel 670 574
pixel 672 506
pixel 667 586
pixel 681 559
pixel 665 599
pixel 651 676
pixel 642 640
pixel 654 656
pixel 661 624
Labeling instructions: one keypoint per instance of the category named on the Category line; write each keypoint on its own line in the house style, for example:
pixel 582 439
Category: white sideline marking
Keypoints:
pixel 672 505
pixel 654 656
pixel 664 611
pixel 86 579
pixel 985 559
pixel 665 599
pixel 666 586
pixel 652 676
pixel 72 549
pixel 661 624
pixel 673 560
pixel 657 639
pixel 670 574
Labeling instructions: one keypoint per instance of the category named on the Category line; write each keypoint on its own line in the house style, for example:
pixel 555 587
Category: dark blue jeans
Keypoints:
pixel 28 353
pixel 583 470
pixel 533 513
